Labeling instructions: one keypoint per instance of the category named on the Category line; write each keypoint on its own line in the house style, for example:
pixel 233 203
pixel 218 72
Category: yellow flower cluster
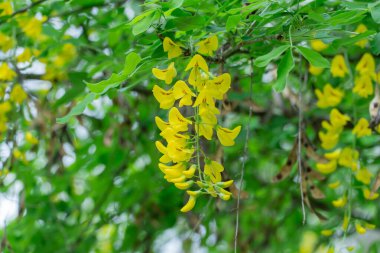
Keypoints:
pixel 365 74
pixel 182 156
pixel 55 66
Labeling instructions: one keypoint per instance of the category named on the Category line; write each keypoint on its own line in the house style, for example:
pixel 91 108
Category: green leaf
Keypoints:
pixel 264 60
pixel 186 23
pixel 284 68
pixel 144 24
pixel 103 86
pixel 374 8
pixel 77 109
pixel 375 44
pixel 346 17
pixel 352 40
pixel 131 62
pixel 313 57
pixel 232 22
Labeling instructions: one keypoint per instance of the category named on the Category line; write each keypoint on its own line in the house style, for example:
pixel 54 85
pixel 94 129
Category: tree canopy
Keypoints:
pixel 189 126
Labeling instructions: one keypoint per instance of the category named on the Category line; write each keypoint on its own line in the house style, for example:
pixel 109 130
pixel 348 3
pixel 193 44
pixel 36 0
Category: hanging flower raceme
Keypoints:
pixel 183 162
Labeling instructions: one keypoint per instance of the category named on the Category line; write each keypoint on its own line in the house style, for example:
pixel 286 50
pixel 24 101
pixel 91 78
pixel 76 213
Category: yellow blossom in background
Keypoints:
pixel 333 155
pixel 366 65
pixel 5 107
pixel 6 42
pixel 6 73
pixel 32 27
pixel 346 221
pixel 173 49
pixel 361 29
pixel 104 237
pixel 364 175
pixel 308 242
pixel 166 75
pixel 327 168
pixel 227 136
pixel 340 202
pixel 328 140
pixel 29 138
pixel 362 129
pixel 338 66
pixel 6 8
pixel 349 158
pixel 363 86
pixel 69 51
pixel 359 228
pixel 334 185
pixel 208 46
pixel 330 97
pixel 18 95
pixel 25 56
pixel 369 195
pixel 338 119
pixel 327 232
pixel 315 71
pixel 318 45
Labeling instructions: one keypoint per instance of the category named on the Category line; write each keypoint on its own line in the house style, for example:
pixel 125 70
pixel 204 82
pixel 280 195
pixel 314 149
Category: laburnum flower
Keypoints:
pixel 359 228
pixel 182 91
pixel 369 195
pixel 366 65
pixel 208 46
pixel 6 42
pixel 6 8
pixel 164 97
pixel 327 168
pixel 361 29
pixel 334 155
pixel 329 97
pixel 362 128
pixel 173 49
pixel 196 63
pixel 334 185
pixel 25 56
pixel 18 95
pixel 214 89
pixel 166 75
pixel 327 232
pixel 177 120
pixel 345 223
pixel 328 140
pixel 29 138
pixel 213 170
pixel 32 27
pixel 364 175
pixel 173 173
pixel 191 202
pixel 349 158
pixel 227 136
pixel 5 107
pixel 340 202
pixel 338 119
pixel 338 66
pixel 206 125
pixel 363 86
pixel 6 73
pixel 318 45
pixel 315 71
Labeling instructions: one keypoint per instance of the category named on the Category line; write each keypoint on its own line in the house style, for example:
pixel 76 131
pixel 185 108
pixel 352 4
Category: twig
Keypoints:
pixel 299 151
pixel 27 8
pixel 245 152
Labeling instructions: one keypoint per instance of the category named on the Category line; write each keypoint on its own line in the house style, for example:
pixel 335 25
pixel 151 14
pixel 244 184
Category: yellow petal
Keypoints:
pixel 227 136
pixel 189 205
